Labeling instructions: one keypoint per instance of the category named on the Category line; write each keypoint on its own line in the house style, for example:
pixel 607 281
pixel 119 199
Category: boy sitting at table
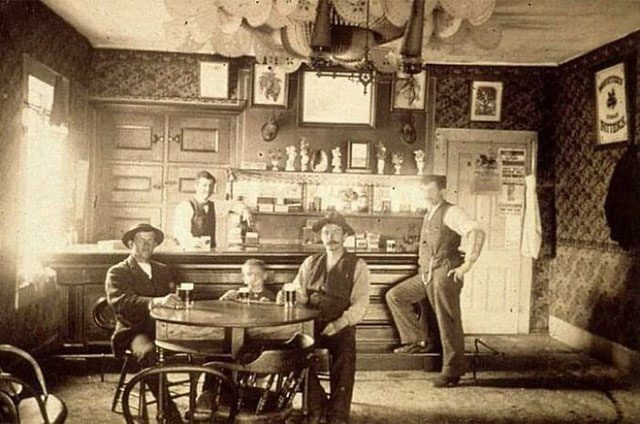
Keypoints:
pixel 254 274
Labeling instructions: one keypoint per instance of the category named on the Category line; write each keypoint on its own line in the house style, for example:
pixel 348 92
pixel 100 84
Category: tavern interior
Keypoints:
pixel 134 95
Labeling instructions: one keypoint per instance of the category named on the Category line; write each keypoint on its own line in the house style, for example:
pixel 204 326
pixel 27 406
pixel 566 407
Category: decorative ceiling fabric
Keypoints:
pixel 278 32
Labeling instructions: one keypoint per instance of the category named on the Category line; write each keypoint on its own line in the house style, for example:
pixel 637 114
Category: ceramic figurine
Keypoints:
pixel 275 155
pixel 336 160
pixel 397 159
pixel 291 158
pixel 320 161
pixel 304 155
pixel 419 156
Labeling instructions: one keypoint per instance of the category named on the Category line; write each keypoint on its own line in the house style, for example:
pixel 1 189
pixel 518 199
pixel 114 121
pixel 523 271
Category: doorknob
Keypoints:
pixel 176 138
pixel 155 138
pixel 157 186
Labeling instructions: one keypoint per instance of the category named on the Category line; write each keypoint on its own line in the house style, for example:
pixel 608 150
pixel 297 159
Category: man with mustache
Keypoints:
pixel 336 282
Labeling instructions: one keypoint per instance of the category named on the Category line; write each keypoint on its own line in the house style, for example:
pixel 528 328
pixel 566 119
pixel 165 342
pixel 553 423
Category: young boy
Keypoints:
pixel 254 273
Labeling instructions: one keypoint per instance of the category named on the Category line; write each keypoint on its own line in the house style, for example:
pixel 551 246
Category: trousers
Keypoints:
pixel 342 350
pixel 443 294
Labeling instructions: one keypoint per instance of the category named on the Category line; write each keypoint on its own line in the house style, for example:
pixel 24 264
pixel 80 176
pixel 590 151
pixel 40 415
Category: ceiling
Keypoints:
pixel 534 32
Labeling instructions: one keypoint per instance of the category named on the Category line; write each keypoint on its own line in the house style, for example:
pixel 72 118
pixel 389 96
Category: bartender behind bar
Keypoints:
pixel 195 220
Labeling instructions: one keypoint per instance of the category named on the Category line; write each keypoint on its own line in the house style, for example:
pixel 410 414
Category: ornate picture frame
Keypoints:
pixel 486 101
pixel 613 88
pixel 335 99
pixel 270 87
pixel 409 93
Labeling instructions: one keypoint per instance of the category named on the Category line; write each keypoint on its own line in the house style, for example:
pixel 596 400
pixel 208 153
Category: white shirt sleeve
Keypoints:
pixel 459 221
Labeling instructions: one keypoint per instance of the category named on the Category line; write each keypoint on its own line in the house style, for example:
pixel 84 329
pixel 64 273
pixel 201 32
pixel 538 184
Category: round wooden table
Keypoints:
pixel 236 317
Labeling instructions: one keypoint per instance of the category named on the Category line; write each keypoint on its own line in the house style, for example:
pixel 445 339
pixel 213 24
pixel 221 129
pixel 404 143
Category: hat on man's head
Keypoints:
pixel 143 227
pixel 333 218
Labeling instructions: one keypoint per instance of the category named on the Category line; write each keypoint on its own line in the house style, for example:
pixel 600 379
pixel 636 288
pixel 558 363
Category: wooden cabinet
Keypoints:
pixel 148 157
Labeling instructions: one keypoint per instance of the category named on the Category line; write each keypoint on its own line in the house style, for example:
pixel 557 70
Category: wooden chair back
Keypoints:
pixel 191 376
pixel 20 398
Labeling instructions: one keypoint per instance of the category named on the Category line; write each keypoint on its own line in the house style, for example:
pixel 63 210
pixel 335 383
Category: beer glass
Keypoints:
pixel 289 297
pixel 185 293
pixel 243 294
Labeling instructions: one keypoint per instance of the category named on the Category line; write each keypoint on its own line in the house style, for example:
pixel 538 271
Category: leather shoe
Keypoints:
pixel 443 381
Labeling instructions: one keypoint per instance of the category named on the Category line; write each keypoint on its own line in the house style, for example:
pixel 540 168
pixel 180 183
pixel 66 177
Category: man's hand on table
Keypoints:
pixel 171 301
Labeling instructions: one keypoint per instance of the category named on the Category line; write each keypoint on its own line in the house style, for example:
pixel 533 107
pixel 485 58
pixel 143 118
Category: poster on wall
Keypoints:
pixel 512 173
pixel 612 106
pixel 486 175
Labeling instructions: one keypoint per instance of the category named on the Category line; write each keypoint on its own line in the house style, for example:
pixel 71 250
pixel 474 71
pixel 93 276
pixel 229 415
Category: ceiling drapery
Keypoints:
pixel 279 32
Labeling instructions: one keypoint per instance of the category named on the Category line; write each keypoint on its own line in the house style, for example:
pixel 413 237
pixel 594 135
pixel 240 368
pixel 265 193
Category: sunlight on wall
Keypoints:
pixel 43 184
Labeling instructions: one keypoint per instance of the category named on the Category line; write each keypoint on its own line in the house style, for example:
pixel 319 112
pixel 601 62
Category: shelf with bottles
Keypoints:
pixel 304 193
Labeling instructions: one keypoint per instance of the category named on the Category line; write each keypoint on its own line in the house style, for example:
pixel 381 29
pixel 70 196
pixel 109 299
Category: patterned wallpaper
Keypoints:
pixel 593 283
pixel 31 28
pixel 528 97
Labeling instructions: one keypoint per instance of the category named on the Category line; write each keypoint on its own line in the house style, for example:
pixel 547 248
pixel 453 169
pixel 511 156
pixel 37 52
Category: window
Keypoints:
pixel 43 180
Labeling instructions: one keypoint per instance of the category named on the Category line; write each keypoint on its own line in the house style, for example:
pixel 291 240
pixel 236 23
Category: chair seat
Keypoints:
pixel 29 411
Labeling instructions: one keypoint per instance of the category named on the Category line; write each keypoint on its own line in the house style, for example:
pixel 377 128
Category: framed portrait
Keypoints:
pixel 270 86
pixel 486 101
pixel 409 91
pixel 336 99
pixel 613 87
pixel 359 156
pixel 214 80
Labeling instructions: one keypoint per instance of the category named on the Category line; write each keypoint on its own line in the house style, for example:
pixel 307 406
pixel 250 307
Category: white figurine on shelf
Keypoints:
pixel 292 152
pixel 419 156
pixel 336 160
pixel 304 155
pixel 397 159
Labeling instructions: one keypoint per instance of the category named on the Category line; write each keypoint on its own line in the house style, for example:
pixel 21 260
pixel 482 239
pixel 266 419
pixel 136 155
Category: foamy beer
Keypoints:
pixel 185 293
pixel 289 294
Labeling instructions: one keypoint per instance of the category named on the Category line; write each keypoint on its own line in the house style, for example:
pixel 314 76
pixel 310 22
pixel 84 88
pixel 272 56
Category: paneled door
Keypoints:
pixel 485 171
pixel 131 135
pixel 134 183
pixel 200 138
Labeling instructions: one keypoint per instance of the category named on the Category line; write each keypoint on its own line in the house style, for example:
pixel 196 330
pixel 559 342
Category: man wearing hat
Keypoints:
pixel 133 287
pixel 336 282
pixel 442 267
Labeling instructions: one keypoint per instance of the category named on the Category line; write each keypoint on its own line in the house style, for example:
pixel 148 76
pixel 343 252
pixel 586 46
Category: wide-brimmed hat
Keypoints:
pixel 333 218
pixel 131 232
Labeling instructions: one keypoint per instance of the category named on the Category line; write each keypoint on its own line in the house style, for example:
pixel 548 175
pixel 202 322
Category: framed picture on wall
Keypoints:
pixel 613 87
pixel 486 101
pixel 335 99
pixel 409 92
pixel 270 86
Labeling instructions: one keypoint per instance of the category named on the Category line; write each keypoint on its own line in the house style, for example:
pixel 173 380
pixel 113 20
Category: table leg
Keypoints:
pixel 234 339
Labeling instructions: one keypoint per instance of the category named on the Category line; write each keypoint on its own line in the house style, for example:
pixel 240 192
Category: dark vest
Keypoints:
pixel 203 223
pixel 439 245
pixel 332 296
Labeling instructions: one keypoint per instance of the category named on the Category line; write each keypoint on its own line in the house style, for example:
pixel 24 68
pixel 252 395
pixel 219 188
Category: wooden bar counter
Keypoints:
pixel 81 271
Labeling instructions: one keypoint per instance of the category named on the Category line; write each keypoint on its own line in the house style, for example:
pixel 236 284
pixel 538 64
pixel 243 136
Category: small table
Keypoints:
pixel 236 317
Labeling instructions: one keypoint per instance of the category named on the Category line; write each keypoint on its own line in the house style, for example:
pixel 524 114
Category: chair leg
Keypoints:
pixel 102 358
pixel 120 386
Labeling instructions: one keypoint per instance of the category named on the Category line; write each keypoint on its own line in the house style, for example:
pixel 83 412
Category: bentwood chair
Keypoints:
pixel 22 402
pixel 104 318
pixel 267 385
pixel 186 378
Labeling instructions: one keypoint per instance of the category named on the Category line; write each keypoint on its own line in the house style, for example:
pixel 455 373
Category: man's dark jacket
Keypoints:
pixel 129 291
pixel 622 206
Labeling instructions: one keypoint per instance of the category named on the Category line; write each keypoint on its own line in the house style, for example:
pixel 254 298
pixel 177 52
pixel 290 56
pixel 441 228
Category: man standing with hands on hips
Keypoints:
pixel 335 282
pixel 440 279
